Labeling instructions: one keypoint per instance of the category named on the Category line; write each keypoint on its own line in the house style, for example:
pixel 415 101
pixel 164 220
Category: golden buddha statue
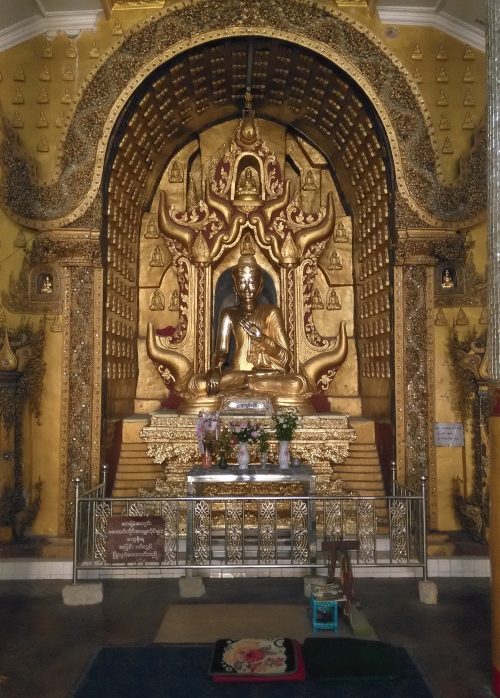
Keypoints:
pixel 248 185
pixel 259 362
pixel 447 281
pixel 46 286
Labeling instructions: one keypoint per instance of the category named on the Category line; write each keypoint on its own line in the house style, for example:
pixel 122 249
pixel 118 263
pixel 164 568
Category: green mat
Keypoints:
pixel 350 659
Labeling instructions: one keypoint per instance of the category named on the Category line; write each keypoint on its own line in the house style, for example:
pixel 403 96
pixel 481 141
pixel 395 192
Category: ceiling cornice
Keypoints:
pixel 425 17
pixel 72 23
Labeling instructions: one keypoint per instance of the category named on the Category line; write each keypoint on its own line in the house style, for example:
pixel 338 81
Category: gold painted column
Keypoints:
pixel 78 253
pixel 414 360
pixel 493 65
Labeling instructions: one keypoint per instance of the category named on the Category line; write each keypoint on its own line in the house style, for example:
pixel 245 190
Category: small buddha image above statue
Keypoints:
pixel 309 183
pixel 45 284
pixel 334 261
pixel 448 278
pixel 151 230
pixel 156 259
pixel 175 175
pixel 248 185
pixel 333 301
pixel 173 300
pixel 317 300
pixel 341 233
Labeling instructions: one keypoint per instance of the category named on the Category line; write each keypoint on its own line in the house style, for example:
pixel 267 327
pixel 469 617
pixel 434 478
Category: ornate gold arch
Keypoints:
pixel 334 35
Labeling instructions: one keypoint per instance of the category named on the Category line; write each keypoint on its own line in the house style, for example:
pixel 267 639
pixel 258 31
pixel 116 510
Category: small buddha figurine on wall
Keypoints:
pixel 333 300
pixel 173 301
pixel 317 300
pixel 447 279
pixel 334 261
pixel 45 284
pixel 248 184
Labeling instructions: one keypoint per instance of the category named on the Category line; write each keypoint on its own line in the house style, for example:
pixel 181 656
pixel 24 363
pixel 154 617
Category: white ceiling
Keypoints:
pixel 22 19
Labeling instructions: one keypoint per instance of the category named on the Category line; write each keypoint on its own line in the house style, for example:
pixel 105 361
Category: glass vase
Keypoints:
pixel 284 456
pixel 243 456
pixel 263 458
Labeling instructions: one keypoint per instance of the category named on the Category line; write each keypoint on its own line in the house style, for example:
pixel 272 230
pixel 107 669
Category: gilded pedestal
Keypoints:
pixel 320 441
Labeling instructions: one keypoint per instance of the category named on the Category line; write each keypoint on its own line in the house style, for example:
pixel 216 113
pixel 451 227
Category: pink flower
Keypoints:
pixel 255 434
pixel 253 656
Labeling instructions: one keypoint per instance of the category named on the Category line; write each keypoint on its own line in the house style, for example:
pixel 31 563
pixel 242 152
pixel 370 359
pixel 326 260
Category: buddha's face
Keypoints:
pixel 247 282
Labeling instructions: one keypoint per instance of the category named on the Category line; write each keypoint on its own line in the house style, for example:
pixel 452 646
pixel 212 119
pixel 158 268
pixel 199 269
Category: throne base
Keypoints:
pixel 195 405
pixel 321 441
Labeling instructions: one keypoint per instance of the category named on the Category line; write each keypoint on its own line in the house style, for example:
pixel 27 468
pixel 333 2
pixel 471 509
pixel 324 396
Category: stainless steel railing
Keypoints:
pixel 261 532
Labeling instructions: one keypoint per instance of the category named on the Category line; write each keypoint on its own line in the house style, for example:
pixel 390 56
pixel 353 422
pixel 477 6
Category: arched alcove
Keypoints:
pixel 327 115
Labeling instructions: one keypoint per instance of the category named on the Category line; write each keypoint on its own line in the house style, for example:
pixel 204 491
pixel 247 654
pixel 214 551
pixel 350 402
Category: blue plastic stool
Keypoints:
pixel 329 607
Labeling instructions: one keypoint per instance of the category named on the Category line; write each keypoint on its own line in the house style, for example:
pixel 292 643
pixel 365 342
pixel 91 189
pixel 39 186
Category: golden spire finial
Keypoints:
pixel 248 131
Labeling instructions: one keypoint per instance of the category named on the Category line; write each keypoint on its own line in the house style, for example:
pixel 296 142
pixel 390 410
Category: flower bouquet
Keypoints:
pixel 207 433
pixel 285 422
pixel 244 433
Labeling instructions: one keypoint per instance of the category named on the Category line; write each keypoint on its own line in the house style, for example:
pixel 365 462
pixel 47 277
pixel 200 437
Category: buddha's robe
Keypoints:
pixel 258 366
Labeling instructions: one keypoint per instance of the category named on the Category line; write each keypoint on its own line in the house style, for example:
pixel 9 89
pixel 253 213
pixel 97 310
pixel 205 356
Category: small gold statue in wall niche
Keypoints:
pixel 447 279
pixel 334 261
pixel 173 300
pixel 157 301
pixel 151 230
pixel 246 245
pixel 341 234
pixel 317 300
pixel 333 301
pixel 156 259
pixel 248 184
pixel 45 74
pixel 309 181
pixel 45 284
pixel 175 173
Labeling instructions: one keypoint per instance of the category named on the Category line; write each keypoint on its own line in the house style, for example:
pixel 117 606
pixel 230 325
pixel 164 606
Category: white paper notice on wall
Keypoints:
pixel 448 434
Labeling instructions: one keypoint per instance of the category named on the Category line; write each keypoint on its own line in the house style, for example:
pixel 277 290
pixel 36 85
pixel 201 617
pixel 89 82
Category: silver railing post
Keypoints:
pixel 393 477
pixel 423 480
pixel 77 482
pixel 104 469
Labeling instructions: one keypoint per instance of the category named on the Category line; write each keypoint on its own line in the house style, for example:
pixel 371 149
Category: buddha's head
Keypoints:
pixel 247 277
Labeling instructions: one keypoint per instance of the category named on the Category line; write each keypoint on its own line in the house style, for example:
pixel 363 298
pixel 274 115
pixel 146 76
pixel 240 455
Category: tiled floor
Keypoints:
pixel 45 646
pixel 30 568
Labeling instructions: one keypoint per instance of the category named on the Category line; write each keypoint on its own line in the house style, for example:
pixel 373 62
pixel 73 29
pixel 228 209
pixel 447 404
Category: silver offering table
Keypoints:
pixel 198 476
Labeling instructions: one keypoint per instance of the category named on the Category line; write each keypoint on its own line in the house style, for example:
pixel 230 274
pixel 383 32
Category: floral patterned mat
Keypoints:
pixel 254 657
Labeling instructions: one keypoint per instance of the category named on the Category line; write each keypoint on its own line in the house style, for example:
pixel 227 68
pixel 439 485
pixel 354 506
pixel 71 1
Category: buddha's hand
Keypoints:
pixel 251 329
pixel 213 381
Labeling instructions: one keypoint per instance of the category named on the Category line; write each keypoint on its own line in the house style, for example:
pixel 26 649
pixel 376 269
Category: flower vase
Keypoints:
pixel 206 459
pixel 284 456
pixel 263 458
pixel 243 456
pixel 222 461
